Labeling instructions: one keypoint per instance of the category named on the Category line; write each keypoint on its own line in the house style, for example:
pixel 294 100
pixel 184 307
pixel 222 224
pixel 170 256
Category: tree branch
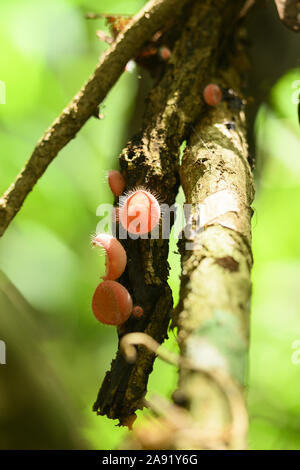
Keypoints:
pixel 127 45
pixel 213 317
pixel 213 314
pixel 152 159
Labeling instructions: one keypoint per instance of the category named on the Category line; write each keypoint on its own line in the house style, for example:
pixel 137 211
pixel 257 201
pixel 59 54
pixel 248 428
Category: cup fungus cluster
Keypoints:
pixel 139 213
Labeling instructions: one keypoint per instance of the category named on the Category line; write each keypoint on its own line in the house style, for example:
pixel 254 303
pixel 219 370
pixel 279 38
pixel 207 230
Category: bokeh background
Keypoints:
pixel 57 353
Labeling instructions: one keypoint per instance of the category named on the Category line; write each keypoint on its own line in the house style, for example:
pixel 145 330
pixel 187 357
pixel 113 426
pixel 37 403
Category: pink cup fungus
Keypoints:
pixel 115 255
pixel 116 182
pixel 140 212
pixel 212 94
pixel 112 303
pixel 137 311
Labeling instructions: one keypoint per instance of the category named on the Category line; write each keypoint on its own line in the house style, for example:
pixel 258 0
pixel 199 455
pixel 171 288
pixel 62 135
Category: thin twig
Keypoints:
pixel 129 341
pixel 180 424
pixel 127 45
pixel 231 391
pixel 97 16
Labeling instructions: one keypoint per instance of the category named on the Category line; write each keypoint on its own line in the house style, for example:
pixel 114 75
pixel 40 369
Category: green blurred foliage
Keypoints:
pixel 47 52
pixel 273 384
